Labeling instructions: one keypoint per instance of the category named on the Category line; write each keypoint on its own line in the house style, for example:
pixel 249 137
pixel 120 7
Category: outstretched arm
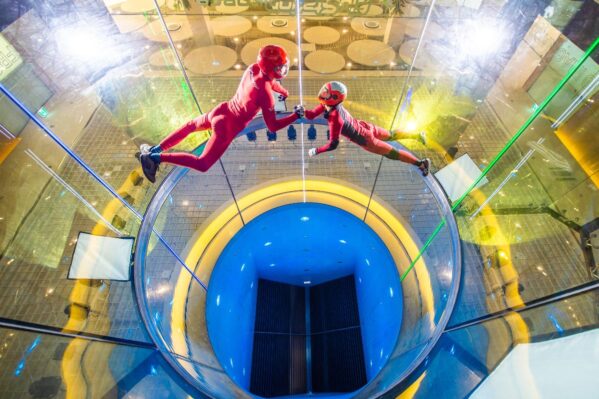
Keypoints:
pixel 335 131
pixel 313 113
pixel 270 117
pixel 333 142
pixel 273 124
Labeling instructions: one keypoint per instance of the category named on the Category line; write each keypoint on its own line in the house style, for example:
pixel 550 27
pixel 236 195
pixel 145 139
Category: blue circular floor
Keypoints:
pixel 303 245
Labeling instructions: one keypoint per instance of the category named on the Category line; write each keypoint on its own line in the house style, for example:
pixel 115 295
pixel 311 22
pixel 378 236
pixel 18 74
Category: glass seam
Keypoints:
pixel 536 303
pixel 55 331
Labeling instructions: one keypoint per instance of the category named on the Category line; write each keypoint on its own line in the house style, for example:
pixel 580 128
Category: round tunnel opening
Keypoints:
pixel 172 284
pixel 299 291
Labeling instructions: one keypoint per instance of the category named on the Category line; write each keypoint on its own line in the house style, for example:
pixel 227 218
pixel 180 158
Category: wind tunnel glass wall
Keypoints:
pixel 44 365
pixel 174 310
pixel 196 214
pixel 100 83
pixel 535 215
pixel 479 72
pixel 103 82
pixel 465 357
pixel 47 200
pixel 468 73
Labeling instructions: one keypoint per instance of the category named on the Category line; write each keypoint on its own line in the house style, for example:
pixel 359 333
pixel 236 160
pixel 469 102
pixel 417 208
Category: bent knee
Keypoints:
pixel 393 154
pixel 201 165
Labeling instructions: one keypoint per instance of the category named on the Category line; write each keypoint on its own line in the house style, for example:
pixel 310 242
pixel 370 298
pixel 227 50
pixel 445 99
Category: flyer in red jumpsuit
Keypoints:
pixel 254 94
pixel 367 135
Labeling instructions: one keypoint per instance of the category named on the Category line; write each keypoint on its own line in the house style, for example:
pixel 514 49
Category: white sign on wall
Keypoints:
pixel 101 258
pixel 458 176
pixel 9 58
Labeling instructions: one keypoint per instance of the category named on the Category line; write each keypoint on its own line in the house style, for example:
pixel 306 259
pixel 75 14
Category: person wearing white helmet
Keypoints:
pixel 367 135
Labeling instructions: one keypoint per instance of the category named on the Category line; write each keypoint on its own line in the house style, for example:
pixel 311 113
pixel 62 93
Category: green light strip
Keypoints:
pixel 515 137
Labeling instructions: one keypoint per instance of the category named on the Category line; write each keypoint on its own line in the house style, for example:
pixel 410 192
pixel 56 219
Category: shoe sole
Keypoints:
pixel 146 166
pixel 426 170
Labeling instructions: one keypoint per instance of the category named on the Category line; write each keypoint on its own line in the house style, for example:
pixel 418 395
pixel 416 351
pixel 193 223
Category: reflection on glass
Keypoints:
pixel 532 245
pixel 108 76
pixel 314 10
pixel 469 355
pixel 46 202
pixel 44 365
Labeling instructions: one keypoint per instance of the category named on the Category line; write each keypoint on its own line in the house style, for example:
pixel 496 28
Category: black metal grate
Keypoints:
pixel 334 305
pixel 279 355
pixel 337 352
pixel 279 358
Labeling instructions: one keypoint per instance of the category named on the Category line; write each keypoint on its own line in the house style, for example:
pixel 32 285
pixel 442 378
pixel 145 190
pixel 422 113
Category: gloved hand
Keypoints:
pixel 311 152
pixel 299 111
pixel 282 97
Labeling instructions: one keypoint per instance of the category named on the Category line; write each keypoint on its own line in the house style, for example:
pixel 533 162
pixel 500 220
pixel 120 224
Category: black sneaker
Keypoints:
pixel 424 166
pixel 149 167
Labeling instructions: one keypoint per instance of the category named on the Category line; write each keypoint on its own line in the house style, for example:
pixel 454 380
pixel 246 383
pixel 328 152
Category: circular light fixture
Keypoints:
pixel 279 23
pixel 173 27
pixel 371 24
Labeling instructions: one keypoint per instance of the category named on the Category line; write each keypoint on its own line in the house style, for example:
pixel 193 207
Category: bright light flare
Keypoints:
pixel 82 44
pixel 481 37
pixel 411 125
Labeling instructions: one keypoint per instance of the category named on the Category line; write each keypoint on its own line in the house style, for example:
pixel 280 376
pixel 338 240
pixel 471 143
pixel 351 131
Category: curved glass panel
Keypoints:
pixel 196 216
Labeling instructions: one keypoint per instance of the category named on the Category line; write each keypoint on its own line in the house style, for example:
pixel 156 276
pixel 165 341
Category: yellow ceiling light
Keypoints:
pixel 411 125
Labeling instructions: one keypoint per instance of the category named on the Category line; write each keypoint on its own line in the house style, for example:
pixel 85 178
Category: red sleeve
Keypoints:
pixel 313 113
pixel 267 103
pixel 335 124
pixel 276 86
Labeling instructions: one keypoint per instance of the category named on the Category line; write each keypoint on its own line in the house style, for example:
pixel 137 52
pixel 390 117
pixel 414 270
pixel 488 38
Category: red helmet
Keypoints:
pixel 332 93
pixel 273 61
